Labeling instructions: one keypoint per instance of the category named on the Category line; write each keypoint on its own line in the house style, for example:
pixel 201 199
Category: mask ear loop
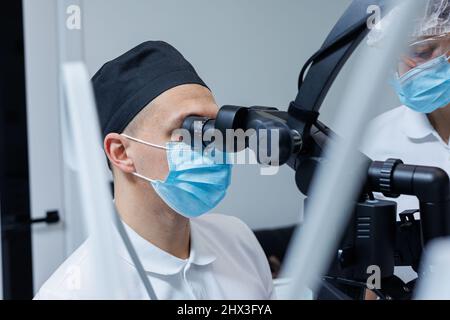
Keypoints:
pixel 147 144
pixel 143 177
pixel 144 142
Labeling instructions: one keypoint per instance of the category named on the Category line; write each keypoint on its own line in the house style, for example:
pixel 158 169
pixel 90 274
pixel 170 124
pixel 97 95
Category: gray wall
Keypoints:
pixel 44 145
pixel 249 52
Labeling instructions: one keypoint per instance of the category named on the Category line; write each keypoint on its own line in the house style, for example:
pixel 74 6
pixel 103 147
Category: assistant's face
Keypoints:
pixel 166 114
pixel 422 51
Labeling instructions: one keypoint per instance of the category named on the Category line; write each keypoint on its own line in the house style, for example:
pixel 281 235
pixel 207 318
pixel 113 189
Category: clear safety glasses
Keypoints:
pixel 422 50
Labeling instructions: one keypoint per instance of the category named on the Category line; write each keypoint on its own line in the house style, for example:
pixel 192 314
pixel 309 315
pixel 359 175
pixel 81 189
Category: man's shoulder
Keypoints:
pixel 222 224
pixel 229 233
pixel 217 219
pixel 232 239
pixel 62 283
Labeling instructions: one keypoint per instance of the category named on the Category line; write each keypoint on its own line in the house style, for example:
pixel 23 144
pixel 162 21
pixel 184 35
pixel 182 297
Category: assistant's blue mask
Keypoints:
pixel 425 88
pixel 197 181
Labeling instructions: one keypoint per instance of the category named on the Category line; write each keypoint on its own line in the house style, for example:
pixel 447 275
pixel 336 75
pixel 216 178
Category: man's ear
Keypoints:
pixel 115 149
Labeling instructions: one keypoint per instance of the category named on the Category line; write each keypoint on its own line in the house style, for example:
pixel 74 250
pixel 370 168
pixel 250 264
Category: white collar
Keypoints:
pixel 416 125
pixel 156 260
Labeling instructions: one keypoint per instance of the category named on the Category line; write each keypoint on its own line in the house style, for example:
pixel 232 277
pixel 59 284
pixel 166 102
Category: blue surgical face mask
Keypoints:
pixel 197 181
pixel 425 88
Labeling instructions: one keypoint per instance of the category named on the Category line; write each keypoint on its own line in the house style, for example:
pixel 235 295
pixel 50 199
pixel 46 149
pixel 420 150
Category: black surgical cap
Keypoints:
pixel 125 85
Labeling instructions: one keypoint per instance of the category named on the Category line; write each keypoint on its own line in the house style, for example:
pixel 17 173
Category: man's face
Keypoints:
pixel 157 122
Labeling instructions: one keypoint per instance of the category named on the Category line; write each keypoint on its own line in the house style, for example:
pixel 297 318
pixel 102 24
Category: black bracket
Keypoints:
pixel 51 217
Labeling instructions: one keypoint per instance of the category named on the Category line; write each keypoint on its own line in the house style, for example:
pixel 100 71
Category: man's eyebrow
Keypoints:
pixel 176 122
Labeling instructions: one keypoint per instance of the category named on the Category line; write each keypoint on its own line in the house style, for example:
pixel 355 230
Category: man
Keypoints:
pixel 161 194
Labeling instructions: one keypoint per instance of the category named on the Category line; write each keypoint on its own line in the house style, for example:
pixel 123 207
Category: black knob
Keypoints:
pixel 51 217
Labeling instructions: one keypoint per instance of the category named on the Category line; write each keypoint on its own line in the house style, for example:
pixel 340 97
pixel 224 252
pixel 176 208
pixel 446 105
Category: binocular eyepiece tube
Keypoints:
pixel 261 129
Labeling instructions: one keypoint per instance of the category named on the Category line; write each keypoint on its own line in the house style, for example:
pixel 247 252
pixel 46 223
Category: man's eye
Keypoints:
pixel 423 52
pixel 423 55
